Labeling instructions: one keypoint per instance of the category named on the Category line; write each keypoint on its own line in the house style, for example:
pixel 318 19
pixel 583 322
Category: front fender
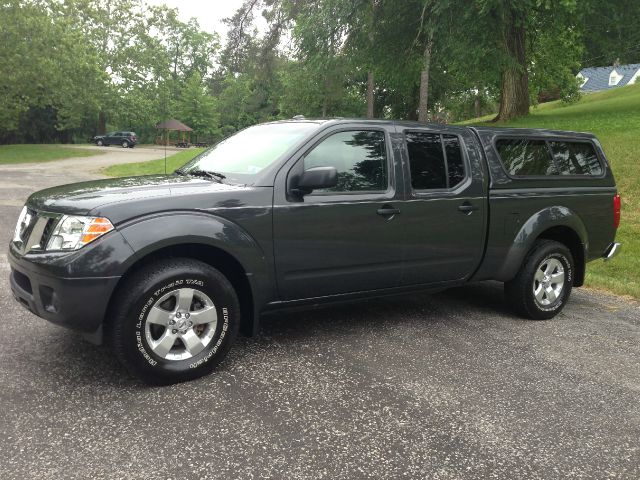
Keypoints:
pixel 148 234
pixel 537 224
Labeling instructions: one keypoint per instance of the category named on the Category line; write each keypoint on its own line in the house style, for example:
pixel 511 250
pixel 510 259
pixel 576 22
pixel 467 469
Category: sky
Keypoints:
pixel 208 12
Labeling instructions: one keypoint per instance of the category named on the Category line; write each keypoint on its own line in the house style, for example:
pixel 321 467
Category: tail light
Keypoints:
pixel 616 210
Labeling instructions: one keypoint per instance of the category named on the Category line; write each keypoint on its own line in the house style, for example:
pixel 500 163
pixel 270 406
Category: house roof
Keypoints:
pixel 173 125
pixel 598 77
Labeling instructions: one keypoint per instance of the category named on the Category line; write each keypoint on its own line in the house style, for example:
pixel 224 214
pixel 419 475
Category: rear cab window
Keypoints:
pixel 530 157
pixel 436 161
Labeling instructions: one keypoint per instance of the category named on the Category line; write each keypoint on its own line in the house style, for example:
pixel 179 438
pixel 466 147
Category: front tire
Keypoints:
pixel 125 144
pixel 543 285
pixel 99 143
pixel 173 321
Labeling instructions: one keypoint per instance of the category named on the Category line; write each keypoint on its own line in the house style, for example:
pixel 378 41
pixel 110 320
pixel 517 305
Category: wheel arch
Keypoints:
pixel 556 223
pixel 214 256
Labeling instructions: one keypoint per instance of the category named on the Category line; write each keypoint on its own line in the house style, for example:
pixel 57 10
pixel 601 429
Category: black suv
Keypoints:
pixel 168 268
pixel 125 139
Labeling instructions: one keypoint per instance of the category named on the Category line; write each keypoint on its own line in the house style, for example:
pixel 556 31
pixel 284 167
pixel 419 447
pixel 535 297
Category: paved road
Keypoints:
pixel 439 386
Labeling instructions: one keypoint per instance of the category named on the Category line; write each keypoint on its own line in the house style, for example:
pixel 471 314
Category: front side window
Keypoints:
pixel 359 156
pixel 526 157
pixel 576 158
pixel 435 160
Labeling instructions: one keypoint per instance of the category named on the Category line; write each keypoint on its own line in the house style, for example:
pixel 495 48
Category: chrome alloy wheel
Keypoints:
pixel 548 281
pixel 181 324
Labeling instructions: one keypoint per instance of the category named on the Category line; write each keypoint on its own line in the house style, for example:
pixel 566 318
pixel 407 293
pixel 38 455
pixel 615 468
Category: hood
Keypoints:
pixel 95 197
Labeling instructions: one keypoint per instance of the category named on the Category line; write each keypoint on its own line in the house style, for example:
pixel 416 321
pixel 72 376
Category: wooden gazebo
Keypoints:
pixel 165 128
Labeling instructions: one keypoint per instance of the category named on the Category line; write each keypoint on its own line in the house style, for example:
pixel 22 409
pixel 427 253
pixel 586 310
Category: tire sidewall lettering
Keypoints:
pixel 216 346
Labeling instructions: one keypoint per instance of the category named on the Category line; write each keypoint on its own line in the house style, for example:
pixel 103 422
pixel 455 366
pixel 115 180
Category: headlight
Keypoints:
pixel 73 232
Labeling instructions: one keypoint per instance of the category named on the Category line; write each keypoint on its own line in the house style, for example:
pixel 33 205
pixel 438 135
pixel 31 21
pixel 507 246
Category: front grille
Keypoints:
pixel 35 229
pixel 47 231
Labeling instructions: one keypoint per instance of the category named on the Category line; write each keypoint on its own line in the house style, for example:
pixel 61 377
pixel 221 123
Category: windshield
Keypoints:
pixel 249 151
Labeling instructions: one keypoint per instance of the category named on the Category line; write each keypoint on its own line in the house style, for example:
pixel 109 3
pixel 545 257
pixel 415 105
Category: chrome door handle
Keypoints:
pixel 387 211
pixel 467 208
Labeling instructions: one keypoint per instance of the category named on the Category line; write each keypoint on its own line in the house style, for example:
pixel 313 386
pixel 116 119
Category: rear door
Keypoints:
pixel 444 214
pixel 347 238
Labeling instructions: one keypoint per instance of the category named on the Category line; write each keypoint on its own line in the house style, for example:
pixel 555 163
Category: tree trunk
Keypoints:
pixel 514 88
pixel 477 105
pixel 102 123
pixel 370 99
pixel 370 77
pixel 325 105
pixel 424 80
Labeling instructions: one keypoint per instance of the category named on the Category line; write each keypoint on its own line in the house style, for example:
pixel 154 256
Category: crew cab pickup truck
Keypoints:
pixel 169 268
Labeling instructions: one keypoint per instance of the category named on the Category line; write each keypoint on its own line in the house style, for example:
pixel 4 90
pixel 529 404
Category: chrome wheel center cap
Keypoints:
pixel 183 322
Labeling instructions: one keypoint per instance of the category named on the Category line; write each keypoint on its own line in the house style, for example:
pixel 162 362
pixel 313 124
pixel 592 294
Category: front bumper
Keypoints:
pixel 76 303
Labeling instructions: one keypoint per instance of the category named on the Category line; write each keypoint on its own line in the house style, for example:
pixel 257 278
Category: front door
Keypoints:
pixel 346 238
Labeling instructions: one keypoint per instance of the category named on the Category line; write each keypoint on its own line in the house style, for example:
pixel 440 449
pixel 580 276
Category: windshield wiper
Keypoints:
pixel 203 173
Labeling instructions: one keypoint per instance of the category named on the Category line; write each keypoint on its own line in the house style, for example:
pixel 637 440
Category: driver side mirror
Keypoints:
pixel 316 178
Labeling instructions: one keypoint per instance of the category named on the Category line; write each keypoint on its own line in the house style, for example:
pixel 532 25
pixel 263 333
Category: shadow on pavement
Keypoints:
pixel 82 363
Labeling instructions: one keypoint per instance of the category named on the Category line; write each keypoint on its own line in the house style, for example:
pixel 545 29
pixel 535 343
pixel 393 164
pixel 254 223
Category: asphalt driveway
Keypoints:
pixel 438 386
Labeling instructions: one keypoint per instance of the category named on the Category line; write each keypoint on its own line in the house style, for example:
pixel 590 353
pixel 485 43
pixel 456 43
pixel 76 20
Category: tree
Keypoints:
pixel 46 68
pixel 507 20
pixel 510 24
pixel 609 30
pixel 196 108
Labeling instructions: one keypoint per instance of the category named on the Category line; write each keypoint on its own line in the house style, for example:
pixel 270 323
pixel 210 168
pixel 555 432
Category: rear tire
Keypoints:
pixel 543 285
pixel 173 321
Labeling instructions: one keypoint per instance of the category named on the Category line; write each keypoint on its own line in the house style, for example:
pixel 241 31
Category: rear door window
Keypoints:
pixel 435 160
pixel 526 157
pixel 576 158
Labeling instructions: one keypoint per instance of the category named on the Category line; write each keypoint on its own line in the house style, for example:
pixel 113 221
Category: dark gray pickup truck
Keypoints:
pixel 168 268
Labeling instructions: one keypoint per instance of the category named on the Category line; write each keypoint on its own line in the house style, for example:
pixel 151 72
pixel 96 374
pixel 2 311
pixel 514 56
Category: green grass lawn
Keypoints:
pixel 153 166
pixel 614 117
pixel 10 154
